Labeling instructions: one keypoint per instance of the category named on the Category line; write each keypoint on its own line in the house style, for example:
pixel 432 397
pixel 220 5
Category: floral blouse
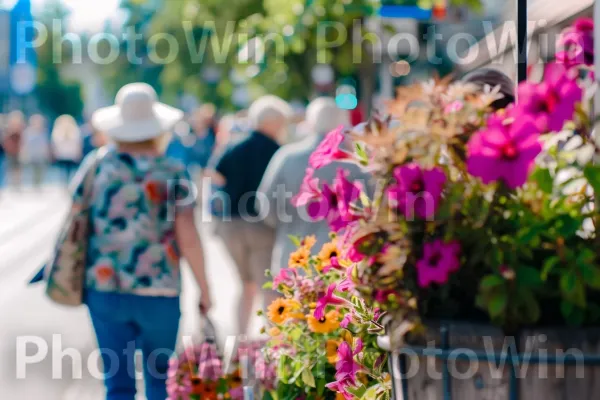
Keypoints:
pixel 132 248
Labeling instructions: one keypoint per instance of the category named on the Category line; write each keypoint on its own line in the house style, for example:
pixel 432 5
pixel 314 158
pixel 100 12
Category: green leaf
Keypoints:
pixel 529 276
pixel 268 285
pixel 592 174
pixel 308 378
pixel 267 395
pixel 370 394
pixel 549 265
pixel 295 240
pixel 568 282
pixel 490 282
pixel 543 179
pixel 573 289
pixel 497 304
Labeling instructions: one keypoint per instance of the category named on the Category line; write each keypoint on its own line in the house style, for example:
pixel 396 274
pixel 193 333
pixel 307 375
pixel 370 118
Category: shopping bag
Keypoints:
pixel 65 273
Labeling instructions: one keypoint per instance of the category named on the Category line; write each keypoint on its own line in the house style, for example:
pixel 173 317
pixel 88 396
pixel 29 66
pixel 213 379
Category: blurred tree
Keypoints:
pixel 261 45
pixel 55 95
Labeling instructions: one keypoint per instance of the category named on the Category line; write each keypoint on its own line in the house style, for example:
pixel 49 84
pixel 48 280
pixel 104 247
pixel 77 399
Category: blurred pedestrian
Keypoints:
pixel 202 123
pixel 142 222
pixel 238 172
pixel 11 143
pixel 35 148
pixel 67 145
pixel 284 177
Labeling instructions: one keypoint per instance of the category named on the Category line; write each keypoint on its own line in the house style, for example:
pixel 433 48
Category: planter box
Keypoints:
pixel 478 362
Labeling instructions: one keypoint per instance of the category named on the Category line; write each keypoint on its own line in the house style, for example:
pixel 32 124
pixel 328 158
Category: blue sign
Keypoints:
pixel 400 11
pixel 23 58
pixel 4 50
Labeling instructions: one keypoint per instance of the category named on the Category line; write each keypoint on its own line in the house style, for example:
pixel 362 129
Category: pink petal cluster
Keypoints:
pixel 346 369
pixel 577 44
pixel 552 102
pixel 417 192
pixel 328 299
pixel 504 151
pixel 329 150
pixel 439 260
pixel 331 203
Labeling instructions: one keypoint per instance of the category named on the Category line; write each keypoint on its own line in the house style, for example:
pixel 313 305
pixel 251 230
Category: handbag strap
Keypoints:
pixel 90 176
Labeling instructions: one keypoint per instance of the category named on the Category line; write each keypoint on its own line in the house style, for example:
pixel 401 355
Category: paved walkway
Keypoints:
pixel 29 221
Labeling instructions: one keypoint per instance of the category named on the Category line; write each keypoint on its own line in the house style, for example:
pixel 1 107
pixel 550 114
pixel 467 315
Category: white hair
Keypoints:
pixel 267 108
pixel 323 115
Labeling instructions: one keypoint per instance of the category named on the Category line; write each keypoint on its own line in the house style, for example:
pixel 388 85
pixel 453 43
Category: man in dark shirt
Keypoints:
pixel 238 173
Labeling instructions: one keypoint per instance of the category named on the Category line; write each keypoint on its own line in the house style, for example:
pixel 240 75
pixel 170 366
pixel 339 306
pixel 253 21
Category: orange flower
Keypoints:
pixel 206 390
pixel 328 251
pixel 299 258
pixel 329 323
pixel 104 273
pixel 281 310
pixel 235 379
pixel 331 348
pixel 309 242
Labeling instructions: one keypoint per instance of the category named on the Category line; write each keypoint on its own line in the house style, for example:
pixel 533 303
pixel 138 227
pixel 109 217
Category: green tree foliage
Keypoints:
pixel 55 95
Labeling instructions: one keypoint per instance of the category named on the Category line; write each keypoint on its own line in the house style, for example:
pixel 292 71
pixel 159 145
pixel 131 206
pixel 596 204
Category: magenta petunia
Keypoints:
pixel 328 299
pixel 577 44
pixel 504 151
pixel 552 102
pixel 346 368
pixel 334 203
pixel 309 189
pixel 347 193
pixel 439 260
pixel 417 192
pixel 329 150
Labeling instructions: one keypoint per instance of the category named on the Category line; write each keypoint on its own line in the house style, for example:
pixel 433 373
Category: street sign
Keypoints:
pixel 4 50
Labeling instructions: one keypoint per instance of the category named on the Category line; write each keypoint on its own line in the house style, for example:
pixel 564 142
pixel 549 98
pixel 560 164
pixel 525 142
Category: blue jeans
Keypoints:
pixel 124 323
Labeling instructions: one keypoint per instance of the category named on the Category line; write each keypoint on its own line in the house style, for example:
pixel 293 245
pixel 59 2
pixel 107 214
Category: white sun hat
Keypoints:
pixel 136 116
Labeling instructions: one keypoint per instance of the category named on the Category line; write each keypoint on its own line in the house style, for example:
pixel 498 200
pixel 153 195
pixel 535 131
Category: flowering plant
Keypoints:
pixel 323 338
pixel 199 374
pixel 478 214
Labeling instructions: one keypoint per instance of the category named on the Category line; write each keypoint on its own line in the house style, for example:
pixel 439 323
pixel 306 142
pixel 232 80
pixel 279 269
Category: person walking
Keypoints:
pixel 237 172
pixel 67 145
pixel 142 223
pixel 11 143
pixel 284 177
pixel 35 148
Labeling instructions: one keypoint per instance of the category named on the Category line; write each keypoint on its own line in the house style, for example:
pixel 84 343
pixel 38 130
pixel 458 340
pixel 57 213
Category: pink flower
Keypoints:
pixel 329 150
pixel 552 102
pixel 453 107
pixel 577 44
pixel 334 203
pixel 286 277
pixel 439 260
pixel 347 320
pixel 347 284
pixel 417 192
pixel 347 192
pixel 328 299
pixel 504 151
pixel 309 189
pixel 346 368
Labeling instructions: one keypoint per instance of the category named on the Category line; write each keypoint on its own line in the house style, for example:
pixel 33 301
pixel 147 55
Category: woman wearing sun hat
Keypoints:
pixel 142 223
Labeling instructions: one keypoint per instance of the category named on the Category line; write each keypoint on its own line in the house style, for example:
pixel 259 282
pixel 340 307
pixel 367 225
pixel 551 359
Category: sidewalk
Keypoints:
pixel 30 221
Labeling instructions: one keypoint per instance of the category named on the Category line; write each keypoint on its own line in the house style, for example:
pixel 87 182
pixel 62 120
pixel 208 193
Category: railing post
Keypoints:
pixel 521 40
